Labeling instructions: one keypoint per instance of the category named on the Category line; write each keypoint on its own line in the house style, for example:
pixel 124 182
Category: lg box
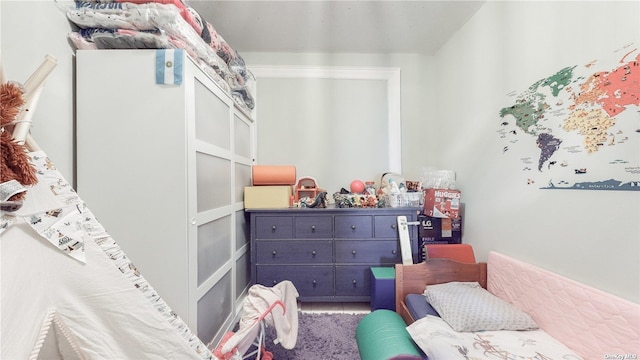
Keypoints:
pixel 439 230
pixel 433 230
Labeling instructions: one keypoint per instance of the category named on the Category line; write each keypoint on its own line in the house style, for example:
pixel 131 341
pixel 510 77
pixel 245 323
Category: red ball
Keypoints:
pixel 357 186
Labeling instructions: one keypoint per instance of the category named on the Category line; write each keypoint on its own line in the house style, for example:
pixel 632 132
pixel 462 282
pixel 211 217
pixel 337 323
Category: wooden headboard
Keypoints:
pixel 412 279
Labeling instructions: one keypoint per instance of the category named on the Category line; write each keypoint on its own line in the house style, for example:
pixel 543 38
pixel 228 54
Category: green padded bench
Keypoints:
pixel 382 335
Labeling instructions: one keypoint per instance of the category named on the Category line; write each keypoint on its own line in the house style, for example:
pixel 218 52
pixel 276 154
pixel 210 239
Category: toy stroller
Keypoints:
pixel 260 308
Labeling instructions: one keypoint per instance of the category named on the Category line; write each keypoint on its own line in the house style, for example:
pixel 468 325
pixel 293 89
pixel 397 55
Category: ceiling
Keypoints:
pixel 337 26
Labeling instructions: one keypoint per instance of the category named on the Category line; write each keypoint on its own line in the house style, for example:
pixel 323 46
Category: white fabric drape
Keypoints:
pixel 104 308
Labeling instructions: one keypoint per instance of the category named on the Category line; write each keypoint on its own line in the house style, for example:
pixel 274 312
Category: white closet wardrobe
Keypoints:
pixel 163 168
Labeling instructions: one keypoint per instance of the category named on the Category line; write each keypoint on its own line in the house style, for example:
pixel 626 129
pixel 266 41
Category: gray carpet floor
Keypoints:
pixel 320 337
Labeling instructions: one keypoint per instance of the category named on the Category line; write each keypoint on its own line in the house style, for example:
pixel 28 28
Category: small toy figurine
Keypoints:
pixel 320 201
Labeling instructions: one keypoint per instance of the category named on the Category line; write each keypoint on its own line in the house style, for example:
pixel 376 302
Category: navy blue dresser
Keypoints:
pixel 326 253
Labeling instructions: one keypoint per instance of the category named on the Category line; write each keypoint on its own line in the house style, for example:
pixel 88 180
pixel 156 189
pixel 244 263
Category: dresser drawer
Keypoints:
pixel 309 280
pixel 371 251
pixel 386 226
pixel 352 280
pixel 294 252
pixel 307 227
pixel 274 227
pixel 354 226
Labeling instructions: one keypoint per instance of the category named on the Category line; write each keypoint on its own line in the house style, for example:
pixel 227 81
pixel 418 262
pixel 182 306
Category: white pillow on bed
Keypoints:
pixel 466 306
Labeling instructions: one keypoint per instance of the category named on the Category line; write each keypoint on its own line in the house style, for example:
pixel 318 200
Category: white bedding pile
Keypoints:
pixel 439 341
pixel 162 24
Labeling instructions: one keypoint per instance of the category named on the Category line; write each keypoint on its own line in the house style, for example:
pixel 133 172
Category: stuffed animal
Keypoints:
pixel 14 161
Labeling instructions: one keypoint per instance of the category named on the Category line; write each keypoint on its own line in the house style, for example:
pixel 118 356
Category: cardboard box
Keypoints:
pixel 433 230
pixel 442 203
pixel 267 197
pixel 439 230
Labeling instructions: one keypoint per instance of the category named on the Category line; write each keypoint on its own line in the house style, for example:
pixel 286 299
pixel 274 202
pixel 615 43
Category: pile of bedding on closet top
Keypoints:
pixel 161 24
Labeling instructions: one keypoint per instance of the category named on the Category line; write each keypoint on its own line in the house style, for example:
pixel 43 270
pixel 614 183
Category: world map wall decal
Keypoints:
pixel 578 128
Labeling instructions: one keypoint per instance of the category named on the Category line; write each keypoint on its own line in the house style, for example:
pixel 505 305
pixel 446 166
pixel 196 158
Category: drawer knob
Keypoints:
pixel 314 283
pixel 394 252
pixel 275 282
pixel 274 253
pixel 313 228
pixel 353 252
pixel 273 228
pixel 393 226
pixel 313 253
pixel 353 227
pixel 354 282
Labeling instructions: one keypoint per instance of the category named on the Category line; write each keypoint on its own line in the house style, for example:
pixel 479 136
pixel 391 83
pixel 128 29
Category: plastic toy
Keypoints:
pixel 357 186
pixel 306 187
pixel 321 200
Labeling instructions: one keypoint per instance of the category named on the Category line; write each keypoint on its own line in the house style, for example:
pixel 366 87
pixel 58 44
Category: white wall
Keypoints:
pixel 312 130
pixel 589 236
pixel 416 79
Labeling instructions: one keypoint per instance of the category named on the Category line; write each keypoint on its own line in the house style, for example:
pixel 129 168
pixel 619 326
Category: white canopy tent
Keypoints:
pixel 67 289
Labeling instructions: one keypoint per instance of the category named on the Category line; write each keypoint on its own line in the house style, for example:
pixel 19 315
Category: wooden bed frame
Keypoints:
pixel 412 279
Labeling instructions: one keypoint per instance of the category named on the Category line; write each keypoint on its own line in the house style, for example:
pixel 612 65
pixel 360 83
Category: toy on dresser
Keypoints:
pixel 308 194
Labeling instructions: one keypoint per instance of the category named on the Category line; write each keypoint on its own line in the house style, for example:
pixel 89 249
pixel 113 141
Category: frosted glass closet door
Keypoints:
pixel 215 225
pixel 244 155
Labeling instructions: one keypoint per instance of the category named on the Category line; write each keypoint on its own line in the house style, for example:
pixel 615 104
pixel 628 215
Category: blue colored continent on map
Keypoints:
pixel 548 146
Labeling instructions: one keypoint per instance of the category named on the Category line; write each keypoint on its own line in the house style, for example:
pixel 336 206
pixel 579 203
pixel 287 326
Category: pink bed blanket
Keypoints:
pixel 591 322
